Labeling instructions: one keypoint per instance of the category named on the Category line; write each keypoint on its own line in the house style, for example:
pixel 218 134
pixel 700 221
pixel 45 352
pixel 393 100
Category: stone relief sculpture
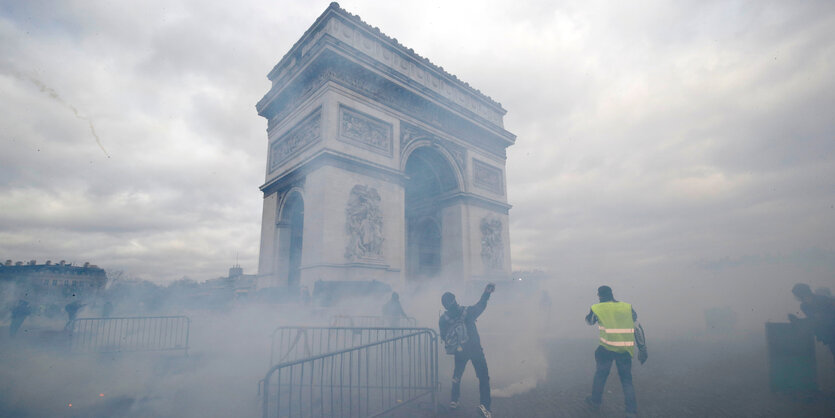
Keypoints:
pixel 297 139
pixel 365 131
pixel 364 224
pixel 492 246
pixel 371 87
pixel 487 177
pixel 407 134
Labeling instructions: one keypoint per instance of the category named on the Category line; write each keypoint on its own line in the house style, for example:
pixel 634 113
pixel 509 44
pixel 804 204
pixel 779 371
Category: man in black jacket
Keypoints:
pixel 470 348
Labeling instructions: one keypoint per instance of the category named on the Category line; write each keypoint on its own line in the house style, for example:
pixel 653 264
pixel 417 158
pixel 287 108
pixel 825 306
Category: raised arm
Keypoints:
pixel 474 311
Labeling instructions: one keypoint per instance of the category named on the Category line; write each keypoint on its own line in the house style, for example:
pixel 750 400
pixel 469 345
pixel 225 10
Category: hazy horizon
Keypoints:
pixel 658 145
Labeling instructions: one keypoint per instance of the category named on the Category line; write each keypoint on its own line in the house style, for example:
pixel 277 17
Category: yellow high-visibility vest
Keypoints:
pixel 617 329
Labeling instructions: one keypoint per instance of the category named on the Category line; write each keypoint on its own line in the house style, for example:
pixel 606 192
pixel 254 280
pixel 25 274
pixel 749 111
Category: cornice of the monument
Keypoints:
pixel 293 56
pixel 327 157
pixel 439 112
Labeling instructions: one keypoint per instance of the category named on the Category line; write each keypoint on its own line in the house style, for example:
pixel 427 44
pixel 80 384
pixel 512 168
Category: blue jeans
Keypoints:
pixel 623 361
pixel 480 366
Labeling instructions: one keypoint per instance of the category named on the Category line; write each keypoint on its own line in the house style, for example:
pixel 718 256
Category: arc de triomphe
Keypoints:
pixel 381 166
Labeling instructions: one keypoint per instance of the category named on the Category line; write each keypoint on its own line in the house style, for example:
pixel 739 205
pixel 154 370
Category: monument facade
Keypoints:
pixel 381 165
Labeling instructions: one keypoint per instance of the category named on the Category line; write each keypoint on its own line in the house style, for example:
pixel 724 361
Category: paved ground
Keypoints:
pixel 708 376
pixel 704 377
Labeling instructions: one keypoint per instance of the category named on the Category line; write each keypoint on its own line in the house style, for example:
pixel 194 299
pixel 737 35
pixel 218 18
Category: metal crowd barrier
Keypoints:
pixel 363 381
pixel 289 343
pixel 365 321
pixel 149 333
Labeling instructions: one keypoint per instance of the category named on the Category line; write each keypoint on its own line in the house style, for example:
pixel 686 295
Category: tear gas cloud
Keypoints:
pixel 680 155
pixel 229 349
pixel 532 331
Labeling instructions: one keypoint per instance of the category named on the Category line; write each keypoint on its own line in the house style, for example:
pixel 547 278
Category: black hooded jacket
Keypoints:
pixel 473 343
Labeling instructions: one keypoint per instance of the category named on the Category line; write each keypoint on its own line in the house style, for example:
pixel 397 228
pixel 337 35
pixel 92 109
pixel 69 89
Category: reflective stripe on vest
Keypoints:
pixel 618 343
pixel 617 329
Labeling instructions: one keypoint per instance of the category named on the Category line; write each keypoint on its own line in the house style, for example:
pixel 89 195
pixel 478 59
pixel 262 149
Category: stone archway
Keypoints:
pixel 430 177
pixel 425 246
pixel 400 164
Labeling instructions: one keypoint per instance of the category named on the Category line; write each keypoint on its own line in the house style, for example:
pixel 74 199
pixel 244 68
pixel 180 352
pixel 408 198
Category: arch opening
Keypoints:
pixel 292 219
pixel 430 176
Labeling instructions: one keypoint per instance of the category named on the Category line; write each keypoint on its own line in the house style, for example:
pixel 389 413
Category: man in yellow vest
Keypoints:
pixel 619 334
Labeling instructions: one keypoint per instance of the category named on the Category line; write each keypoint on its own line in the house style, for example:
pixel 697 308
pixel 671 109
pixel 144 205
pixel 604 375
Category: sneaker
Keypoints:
pixel 485 412
pixel 453 405
pixel 592 404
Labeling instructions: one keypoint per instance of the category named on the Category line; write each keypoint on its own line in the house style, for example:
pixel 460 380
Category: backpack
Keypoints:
pixel 456 336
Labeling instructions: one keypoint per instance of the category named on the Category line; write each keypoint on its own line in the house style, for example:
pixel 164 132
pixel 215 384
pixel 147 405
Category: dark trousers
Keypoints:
pixel 623 361
pixel 480 366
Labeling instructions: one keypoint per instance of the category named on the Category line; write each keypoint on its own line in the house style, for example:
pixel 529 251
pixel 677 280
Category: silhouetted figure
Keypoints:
pixel 458 329
pixel 19 314
pixel 619 334
pixel 392 311
pixel 820 314
pixel 72 309
pixel 107 310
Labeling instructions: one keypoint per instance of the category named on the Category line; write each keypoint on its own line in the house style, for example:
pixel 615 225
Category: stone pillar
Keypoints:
pixel 454 265
pixel 330 248
pixel 266 257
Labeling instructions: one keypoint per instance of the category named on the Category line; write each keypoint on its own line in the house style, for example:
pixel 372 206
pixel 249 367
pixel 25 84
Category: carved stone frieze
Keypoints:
pixel 364 224
pixel 301 136
pixel 459 154
pixel 365 131
pixel 488 177
pixel 408 133
pixel 394 97
pixel 492 245
pixel 416 70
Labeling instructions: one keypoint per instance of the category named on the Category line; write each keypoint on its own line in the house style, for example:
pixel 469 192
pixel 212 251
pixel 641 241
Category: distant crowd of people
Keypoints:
pixel 23 309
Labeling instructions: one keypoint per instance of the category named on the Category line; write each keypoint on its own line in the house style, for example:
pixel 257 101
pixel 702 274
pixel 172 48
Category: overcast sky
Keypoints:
pixel 656 140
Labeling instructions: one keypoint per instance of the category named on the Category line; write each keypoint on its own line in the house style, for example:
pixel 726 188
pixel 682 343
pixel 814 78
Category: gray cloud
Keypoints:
pixel 689 140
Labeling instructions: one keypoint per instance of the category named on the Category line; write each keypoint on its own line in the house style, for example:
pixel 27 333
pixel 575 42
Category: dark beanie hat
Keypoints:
pixel 604 291
pixel 448 300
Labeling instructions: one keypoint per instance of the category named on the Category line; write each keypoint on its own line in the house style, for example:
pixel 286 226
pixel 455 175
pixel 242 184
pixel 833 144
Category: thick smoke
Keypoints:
pixel 535 340
pixel 229 349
